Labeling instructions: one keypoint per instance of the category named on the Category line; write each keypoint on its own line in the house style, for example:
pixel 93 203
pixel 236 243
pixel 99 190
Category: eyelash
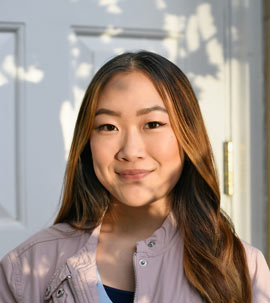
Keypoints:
pixel 154 123
pixel 103 126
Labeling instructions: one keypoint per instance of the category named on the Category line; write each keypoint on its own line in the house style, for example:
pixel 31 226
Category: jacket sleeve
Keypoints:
pixel 260 277
pixel 8 281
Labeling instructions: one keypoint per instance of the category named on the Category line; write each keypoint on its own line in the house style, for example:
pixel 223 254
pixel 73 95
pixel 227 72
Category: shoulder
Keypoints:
pixel 57 242
pixel 48 239
pixel 259 273
pixel 49 242
pixel 32 264
pixel 256 262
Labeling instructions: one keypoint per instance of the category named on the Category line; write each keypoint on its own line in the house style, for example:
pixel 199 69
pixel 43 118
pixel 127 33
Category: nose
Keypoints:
pixel 131 147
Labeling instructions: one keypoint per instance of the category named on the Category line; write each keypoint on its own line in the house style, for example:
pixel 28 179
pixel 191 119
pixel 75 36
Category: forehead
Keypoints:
pixel 123 80
pixel 133 88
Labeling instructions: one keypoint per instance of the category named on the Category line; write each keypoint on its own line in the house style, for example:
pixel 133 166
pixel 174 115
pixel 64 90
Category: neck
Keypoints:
pixel 137 222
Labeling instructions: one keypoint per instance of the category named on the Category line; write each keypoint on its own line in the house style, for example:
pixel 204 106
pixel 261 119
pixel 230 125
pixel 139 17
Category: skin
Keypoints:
pixel 127 136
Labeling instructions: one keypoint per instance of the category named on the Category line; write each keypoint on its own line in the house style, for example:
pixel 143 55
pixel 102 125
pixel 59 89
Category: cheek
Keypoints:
pixel 99 156
pixel 102 156
pixel 166 150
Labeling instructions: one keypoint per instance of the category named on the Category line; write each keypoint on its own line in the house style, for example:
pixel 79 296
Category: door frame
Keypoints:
pixel 246 53
pixel 267 109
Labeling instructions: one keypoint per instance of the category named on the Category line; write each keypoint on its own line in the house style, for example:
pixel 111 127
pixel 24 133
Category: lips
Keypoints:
pixel 133 174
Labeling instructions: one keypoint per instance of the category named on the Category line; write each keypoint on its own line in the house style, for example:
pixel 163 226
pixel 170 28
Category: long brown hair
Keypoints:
pixel 214 258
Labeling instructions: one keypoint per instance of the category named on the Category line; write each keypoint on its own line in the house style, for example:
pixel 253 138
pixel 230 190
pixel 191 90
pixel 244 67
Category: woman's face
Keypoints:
pixel 135 152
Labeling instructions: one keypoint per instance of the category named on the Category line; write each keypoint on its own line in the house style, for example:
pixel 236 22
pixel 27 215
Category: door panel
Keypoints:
pixel 8 126
pixel 12 132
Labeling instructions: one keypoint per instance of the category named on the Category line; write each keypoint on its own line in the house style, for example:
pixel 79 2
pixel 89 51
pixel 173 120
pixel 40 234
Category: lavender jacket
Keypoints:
pixel 59 265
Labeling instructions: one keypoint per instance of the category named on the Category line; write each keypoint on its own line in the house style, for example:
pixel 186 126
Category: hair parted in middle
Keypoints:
pixel 214 258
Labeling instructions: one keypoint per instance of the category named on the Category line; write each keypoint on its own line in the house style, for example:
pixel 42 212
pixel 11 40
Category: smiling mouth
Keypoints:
pixel 133 175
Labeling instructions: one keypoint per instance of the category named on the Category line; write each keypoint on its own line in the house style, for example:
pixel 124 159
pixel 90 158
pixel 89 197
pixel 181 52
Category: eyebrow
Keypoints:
pixel 143 111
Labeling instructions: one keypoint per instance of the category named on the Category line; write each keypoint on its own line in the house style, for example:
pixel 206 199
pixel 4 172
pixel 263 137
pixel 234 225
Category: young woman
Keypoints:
pixel 140 219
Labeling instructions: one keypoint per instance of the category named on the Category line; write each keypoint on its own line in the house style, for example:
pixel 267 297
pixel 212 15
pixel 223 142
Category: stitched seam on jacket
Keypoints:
pixel 34 243
pixel 18 293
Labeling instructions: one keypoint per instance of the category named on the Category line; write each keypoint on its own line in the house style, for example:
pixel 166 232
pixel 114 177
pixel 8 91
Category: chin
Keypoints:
pixel 139 201
pixel 137 205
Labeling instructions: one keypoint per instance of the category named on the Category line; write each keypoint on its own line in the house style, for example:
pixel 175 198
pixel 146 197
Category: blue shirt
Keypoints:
pixel 107 294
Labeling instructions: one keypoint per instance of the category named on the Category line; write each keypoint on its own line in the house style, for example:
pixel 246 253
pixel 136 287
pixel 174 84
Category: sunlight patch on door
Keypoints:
pixel 109 33
pixel 161 4
pixel 84 70
pixel 3 79
pixel 111 6
pixel 173 24
pixel 68 116
pixel 32 74
pixel 206 21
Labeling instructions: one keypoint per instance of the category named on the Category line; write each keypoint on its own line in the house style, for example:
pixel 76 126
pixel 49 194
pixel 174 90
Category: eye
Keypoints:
pixel 154 124
pixel 106 127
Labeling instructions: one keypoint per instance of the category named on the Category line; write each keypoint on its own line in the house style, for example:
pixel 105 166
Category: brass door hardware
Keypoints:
pixel 228 167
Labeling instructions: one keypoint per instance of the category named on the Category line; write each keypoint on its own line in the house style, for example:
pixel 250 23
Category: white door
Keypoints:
pixel 48 52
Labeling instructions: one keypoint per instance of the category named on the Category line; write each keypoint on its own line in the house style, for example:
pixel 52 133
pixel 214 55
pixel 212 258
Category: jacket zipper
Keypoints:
pixel 136 282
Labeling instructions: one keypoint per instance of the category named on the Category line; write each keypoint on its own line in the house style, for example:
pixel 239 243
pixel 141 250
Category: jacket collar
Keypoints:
pixel 161 239
pixel 81 267
pixel 156 244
